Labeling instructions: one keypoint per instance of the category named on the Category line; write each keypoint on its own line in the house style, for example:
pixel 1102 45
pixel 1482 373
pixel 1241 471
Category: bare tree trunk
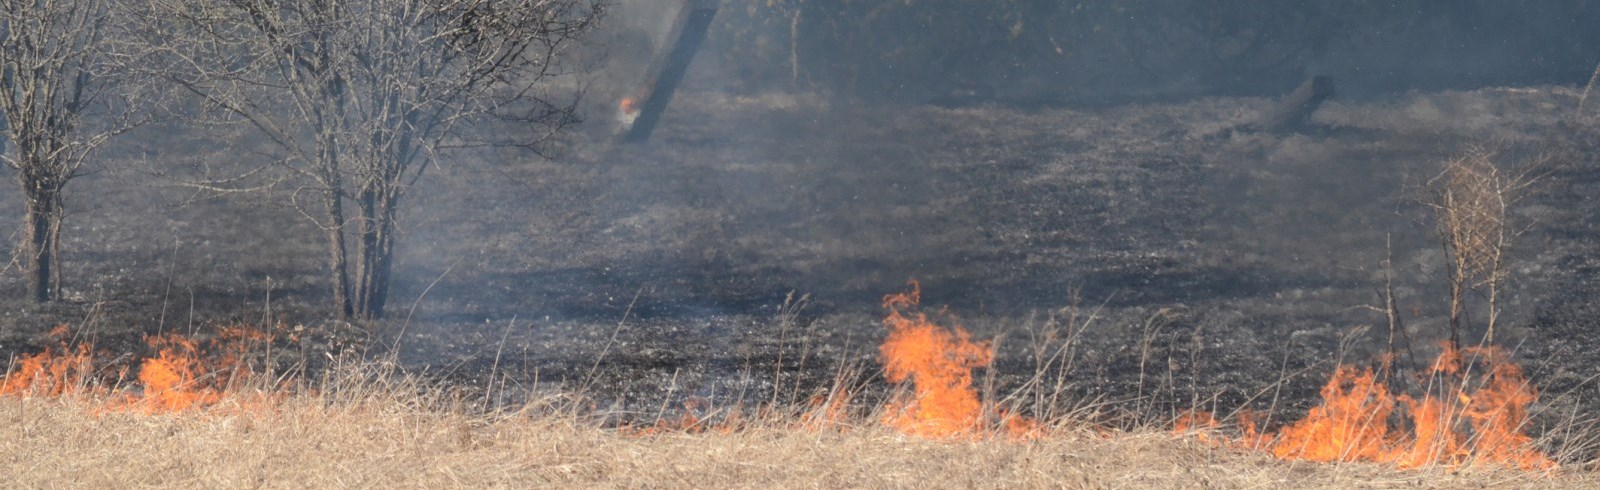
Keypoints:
pixel 44 234
pixel 338 266
pixel 1457 290
pixel 336 248
pixel 53 68
pixel 378 205
pixel 794 46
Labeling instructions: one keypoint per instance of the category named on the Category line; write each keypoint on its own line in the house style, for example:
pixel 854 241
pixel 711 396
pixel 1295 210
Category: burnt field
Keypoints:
pixel 1203 265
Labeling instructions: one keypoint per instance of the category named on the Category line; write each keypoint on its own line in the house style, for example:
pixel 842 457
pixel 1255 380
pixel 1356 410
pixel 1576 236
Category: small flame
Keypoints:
pixel 938 362
pixel 689 421
pixel 627 111
pixel 830 411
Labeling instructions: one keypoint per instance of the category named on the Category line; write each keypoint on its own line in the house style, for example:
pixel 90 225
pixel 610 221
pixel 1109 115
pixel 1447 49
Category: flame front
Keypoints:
pixel 56 371
pixel 1351 424
pixel 938 362
pixel 1471 422
pixel 184 374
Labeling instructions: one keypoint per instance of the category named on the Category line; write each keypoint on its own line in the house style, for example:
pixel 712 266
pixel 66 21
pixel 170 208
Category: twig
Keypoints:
pixel 494 369
pixel 588 379
pixel 172 270
pixel 418 301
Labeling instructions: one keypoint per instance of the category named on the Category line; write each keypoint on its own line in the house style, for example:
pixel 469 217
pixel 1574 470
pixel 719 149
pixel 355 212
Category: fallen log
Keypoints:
pixel 1291 113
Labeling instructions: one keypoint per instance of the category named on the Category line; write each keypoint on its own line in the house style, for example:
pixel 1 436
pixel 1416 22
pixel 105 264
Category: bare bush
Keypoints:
pixel 1470 199
pixel 363 97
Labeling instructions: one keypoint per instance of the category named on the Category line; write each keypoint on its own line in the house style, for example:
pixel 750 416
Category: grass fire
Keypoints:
pixel 1471 415
pixel 183 374
pixel 667 244
pixel 1464 419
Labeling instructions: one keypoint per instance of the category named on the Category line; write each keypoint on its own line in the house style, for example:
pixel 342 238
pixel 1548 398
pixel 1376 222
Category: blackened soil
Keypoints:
pixel 1202 265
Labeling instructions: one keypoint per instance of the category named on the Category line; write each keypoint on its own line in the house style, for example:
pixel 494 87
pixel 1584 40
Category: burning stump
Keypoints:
pixel 641 114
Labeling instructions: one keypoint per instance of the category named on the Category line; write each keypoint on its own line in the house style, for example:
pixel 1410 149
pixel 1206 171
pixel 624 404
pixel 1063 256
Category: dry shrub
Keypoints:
pixel 1470 198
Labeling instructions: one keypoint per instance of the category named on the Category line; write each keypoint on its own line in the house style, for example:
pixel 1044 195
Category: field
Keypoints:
pixel 746 251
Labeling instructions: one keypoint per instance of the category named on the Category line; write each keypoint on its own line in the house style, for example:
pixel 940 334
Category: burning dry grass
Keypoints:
pixel 1464 420
pixel 389 437
pixel 184 373
pixel 201 414
pixel 371 428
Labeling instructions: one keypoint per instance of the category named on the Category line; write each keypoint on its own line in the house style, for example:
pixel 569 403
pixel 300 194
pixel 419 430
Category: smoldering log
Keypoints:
pixel 1293 111
pixel 666 71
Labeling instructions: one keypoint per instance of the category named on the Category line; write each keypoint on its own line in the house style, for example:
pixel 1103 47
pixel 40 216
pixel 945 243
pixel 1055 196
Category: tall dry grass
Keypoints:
pixel 369 427
pixel 365 423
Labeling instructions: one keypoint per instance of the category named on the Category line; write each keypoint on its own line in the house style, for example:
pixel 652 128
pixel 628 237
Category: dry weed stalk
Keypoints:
pixel 1588 88
pixel 1055 344
pixel 1470 199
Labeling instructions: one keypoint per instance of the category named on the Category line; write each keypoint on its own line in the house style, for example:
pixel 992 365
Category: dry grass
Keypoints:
pixel 388 435
pixel 365 424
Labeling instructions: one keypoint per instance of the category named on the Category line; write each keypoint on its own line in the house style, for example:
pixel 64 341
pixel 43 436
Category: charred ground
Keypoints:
pixel 1219 265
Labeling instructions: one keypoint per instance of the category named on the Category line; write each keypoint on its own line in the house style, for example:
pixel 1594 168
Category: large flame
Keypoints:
pixel 938 362
pixel 174 380
pixel 1471 421
pixel 1352 424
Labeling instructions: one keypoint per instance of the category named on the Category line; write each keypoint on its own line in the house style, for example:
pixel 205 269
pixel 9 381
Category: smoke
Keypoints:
pixel 999 164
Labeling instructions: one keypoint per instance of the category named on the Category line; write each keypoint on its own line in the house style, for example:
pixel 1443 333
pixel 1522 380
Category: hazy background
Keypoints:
pixel 1120 50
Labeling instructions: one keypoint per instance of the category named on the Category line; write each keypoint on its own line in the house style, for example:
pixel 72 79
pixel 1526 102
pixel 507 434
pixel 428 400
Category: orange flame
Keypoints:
pixel 830 411
pixel 53 372
pixel 1203 425
pixel 628 106
pixel 1198 423
pixel 184 374
pixel 1477 421
pixel 1496 410
pixel 938 362
pixel 1352 424
pixel 172 381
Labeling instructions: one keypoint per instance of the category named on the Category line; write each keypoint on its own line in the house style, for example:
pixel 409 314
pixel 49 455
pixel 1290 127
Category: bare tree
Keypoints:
pixel 61 102
pixel 364 96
